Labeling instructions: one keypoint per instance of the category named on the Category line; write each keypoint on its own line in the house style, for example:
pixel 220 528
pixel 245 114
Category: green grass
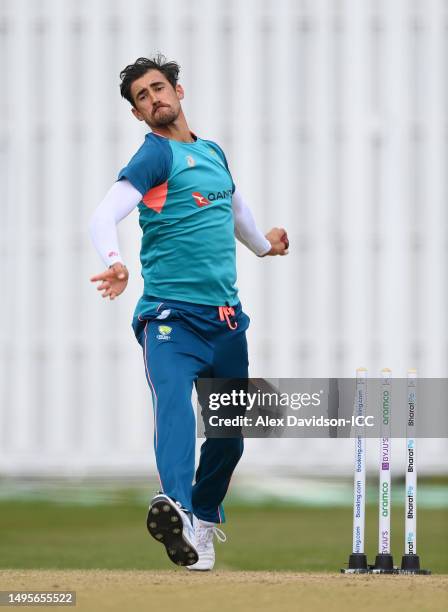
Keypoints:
pixel 37 534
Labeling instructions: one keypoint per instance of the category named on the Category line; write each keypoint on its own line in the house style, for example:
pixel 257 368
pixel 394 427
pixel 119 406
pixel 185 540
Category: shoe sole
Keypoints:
pixel 164 523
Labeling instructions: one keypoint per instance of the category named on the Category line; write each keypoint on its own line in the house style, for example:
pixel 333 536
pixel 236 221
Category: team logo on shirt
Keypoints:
pixel 164 332
pixel 211 197
pixel 190 161
pixel 200 199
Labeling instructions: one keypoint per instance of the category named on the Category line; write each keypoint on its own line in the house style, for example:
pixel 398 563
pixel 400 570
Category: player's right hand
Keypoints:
pixel 113 280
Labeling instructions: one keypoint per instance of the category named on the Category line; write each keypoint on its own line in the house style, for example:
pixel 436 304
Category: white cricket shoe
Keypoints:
pixel 204 532
pixel 170 524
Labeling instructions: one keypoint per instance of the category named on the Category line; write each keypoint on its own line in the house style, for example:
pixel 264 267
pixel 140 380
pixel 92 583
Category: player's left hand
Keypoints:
pixel 278 238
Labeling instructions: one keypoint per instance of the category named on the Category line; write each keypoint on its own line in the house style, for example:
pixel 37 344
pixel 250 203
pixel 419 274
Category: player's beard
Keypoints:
pixel 164 115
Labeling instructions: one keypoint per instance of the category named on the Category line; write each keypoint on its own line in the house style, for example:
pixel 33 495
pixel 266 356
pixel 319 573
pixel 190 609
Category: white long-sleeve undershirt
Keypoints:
pixel 123 197
pixel 246 230
pixel 119 201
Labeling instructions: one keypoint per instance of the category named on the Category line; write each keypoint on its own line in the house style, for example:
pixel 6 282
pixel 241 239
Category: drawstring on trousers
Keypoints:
pixel 224 313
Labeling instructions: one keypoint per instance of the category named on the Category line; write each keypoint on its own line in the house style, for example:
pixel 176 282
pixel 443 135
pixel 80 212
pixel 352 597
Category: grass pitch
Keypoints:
pixel 39 535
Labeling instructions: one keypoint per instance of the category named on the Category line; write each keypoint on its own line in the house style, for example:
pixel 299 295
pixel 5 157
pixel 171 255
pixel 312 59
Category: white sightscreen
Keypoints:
pixel 333 115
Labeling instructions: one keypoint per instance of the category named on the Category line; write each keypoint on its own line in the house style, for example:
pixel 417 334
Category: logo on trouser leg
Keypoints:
pixel 164 332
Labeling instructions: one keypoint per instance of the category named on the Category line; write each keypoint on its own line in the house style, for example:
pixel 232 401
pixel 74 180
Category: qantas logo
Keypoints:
pixel 199 198
pixel 211 197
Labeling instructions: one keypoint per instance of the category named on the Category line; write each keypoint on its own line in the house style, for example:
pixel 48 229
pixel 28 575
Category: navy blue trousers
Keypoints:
pixel 182 342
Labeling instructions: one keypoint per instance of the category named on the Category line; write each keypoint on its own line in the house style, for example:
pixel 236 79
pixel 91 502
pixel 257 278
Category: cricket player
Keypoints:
pixel 189 320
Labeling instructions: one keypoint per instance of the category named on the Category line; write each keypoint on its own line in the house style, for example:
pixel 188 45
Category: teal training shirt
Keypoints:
pixel 188 242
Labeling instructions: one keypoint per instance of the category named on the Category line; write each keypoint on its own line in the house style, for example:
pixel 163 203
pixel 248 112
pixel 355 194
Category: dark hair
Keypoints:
pixel 141 66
